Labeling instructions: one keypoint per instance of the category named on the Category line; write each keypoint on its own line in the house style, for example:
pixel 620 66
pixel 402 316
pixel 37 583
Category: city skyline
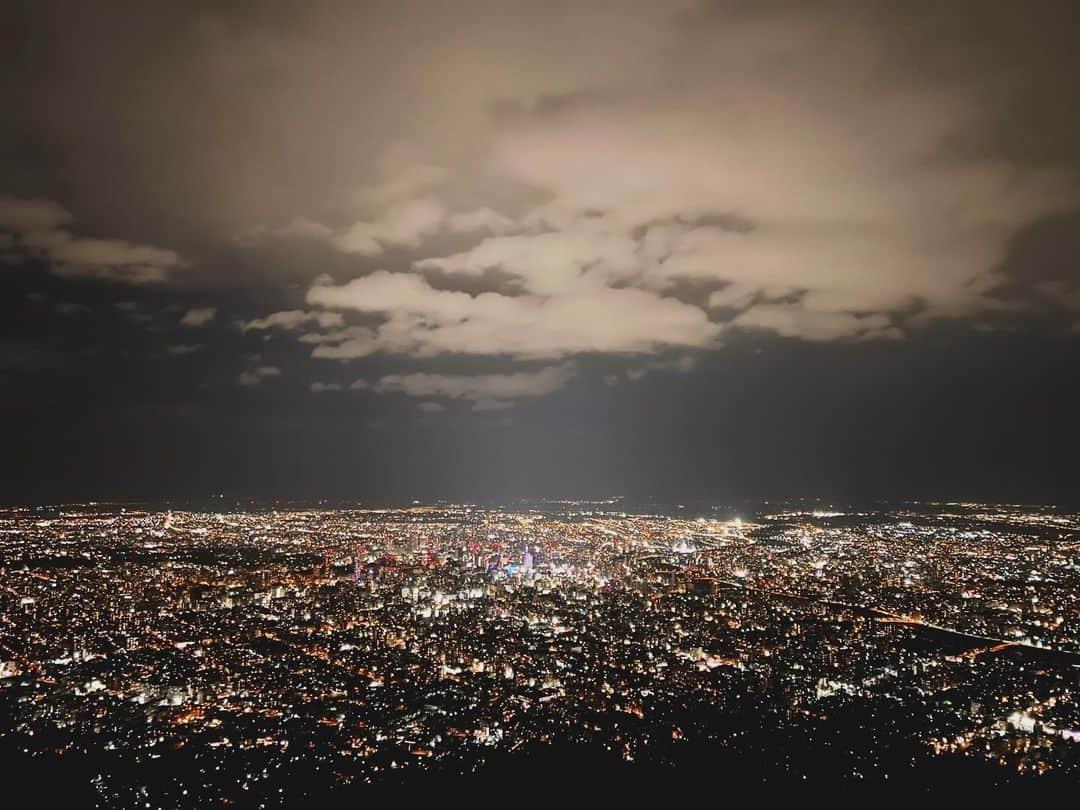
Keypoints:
pixel 381 251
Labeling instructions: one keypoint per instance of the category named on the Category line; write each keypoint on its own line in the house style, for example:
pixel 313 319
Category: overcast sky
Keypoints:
pixel 487 250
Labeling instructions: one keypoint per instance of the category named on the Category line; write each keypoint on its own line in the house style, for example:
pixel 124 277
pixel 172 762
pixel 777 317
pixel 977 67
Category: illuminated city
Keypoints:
pixel 509 403
pixel 370 645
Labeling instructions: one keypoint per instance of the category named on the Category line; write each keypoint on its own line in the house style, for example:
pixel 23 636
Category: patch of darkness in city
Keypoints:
pixel 496 397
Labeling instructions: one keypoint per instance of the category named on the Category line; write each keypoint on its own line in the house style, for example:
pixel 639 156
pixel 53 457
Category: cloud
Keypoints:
pixel 23 216
pixel 257 375
pixel 431 407
pixel 406 177
pixel 586 315
pixel 303 228
pixel 847 190
pixel 137 274
pixel 408 222
pixel 404 225
pixel 182 349
pixel 198 317
pixel 294 319
pixel 60 246
pixel 486 391
pixel 480 219
pixel 636 184
pixel 36 223
pixel 761 175
pixel 795 320
pixel 321 387
pixel 387 292
pixel 865 153
pixel 360 385
pixel 678 365
pixel 344 344
pixel 548 263
pixel 299 228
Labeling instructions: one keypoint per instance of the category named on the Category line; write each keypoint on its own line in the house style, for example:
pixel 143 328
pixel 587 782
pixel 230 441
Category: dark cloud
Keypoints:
pixel 1045 251
pixel 480 244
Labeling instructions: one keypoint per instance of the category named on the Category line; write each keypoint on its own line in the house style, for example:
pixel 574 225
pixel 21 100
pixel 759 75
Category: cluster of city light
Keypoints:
pixel 378 641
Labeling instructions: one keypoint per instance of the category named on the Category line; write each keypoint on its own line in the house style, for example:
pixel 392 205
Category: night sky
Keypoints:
pixel 382 251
